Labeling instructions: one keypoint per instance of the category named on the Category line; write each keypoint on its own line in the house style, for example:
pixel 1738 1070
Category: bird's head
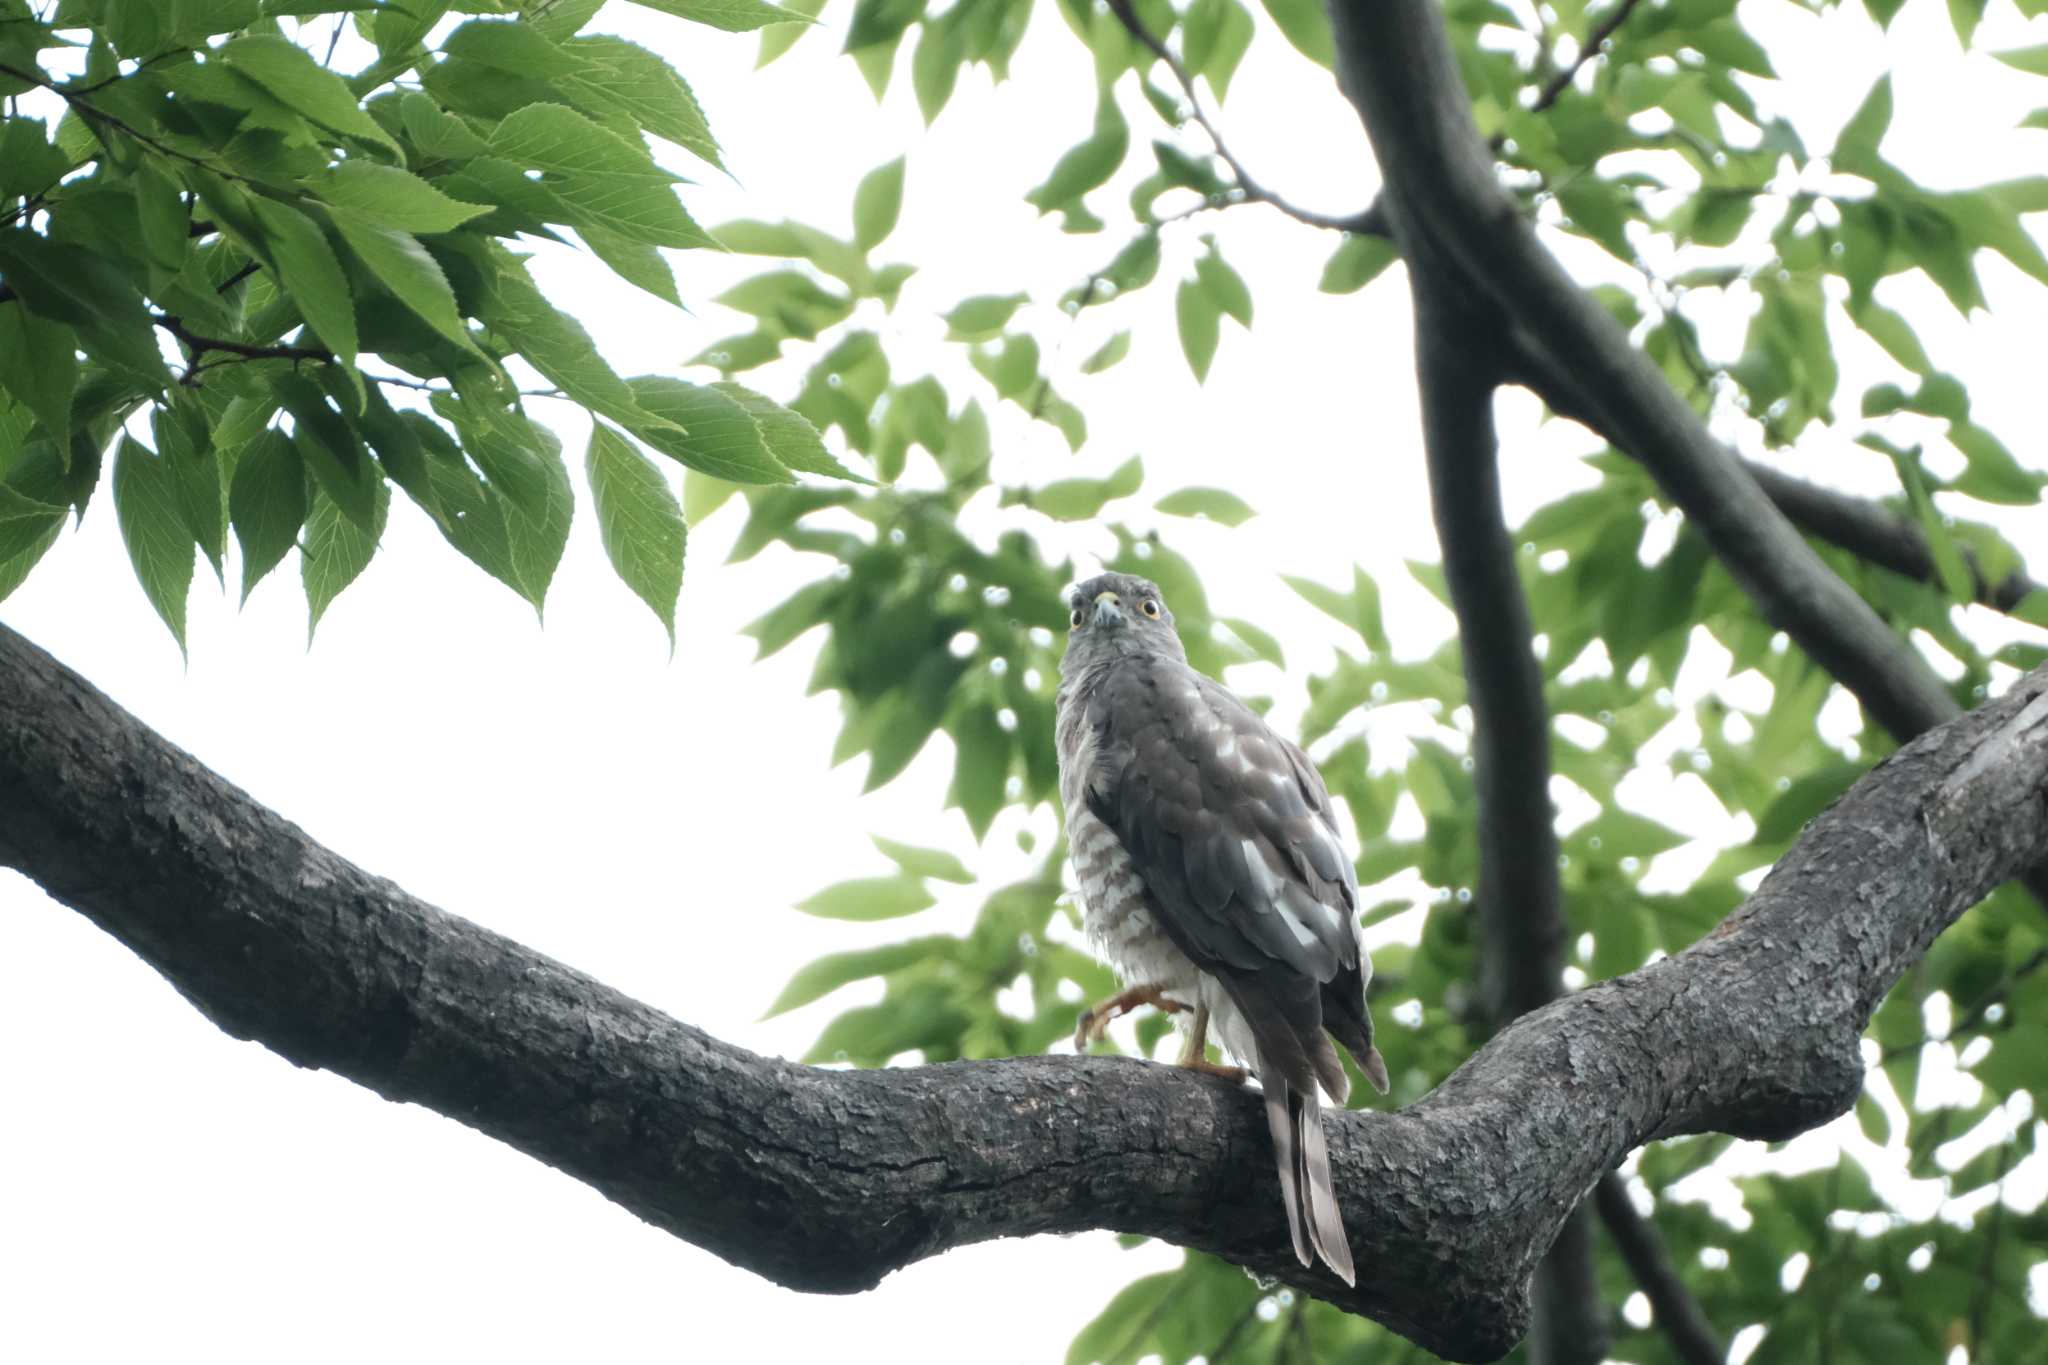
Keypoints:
pixel 1116 614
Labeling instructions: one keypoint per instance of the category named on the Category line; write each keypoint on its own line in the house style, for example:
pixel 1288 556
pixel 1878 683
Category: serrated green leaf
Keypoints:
pixel 788 436
pixel 718 435
pixel 267 504
pixel 64 283
pixel 161 215
pixel 734 16
pixel 337 550
pixel 598 176
pixel 310 273
pixel 870 898
pixel 650 91
pixel 1216 504
pixel 390 197
pixel 290 73
pixel 924 862
pixel 514 47
pixel 639 521
pixel 159 545
pixel 39 366
pixel 553 341
pixel 877 202
pixel 403 266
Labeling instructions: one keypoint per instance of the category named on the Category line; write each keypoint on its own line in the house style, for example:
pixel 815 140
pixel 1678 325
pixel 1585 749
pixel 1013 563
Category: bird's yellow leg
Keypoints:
pixel 1095 1022
pixel 1195 1054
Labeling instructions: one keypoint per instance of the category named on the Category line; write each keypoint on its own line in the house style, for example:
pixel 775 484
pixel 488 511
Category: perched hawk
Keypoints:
pixel 1214 881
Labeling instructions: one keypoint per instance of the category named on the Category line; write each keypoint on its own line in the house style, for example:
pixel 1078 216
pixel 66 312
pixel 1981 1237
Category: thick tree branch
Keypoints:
pixel 1519 898
pixel 828 1180
pixel 1394 62
pixel 1876 533
pixel 1672 1306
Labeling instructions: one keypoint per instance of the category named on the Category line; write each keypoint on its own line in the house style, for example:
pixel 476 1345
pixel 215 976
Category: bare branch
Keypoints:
pixel 1870 531
pixel 1519 899
pixel 1394 62
pixel 1672 1306
pixel 1369 221
pixel 1595 41
pixel 827 1180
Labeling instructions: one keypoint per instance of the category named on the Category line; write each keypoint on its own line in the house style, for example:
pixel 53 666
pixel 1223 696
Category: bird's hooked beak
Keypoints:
pixel 1108 609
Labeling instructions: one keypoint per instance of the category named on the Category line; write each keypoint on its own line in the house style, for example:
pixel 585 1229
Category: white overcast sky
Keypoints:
pixel 170 1193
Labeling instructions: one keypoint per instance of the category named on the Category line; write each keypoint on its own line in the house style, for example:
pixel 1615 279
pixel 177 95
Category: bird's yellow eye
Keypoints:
pixel 1076 618
pixel 1150 608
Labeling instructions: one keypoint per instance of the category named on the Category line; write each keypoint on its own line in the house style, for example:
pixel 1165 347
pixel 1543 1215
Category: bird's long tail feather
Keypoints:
pixel 1295 1119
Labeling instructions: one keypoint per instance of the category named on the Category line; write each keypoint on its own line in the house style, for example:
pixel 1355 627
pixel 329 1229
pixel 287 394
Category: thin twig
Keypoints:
pixel 1672 1306
pixel 1370 221
pixel 1602 31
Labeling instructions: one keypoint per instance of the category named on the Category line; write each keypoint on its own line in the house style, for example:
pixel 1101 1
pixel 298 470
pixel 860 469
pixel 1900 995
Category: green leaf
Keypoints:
pixel 649 91
pixel 513 47
pixel 337 551
pixel 717 435
pixel 403 266
pixel 876 203
pixel 1856 146
pixel 599 177
pixel 310 273
pixel 1357 261
pixel 1108 354
pixel 332 451
pixel 267 503
pixel 1226 287
pixel 818 979
pixel 64 283
pixel 1088 164
pixel 1201 326
pixel 983 316
pixel 554 341
pixel 1259 641
pixel 39 366
pixel 24 522
pixel 788 435
pixel 1359 609
pixel 2032 60
pixel 870 898
pixel 1307 27
pixel 162 217
pixel 440 135
pixel 153 528
pixel 392 198
pixel 1217 504
pixel 639 521
pixel 290 73
pixel 982 751
pixel 924 862
pixel 634 262
pixel 734 16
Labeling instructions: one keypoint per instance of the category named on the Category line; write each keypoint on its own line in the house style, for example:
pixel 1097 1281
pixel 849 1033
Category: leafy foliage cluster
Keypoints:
pixel 216 185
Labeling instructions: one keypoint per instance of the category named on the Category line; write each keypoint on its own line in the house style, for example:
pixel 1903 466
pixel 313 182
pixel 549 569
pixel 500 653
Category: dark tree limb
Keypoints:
pixel 1394 62
pixel 828 1180
pixel 1519 899
pixel 1876 533
pixel 1672 1306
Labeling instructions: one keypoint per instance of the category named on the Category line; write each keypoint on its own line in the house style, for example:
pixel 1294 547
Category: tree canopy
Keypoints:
pixel 271 260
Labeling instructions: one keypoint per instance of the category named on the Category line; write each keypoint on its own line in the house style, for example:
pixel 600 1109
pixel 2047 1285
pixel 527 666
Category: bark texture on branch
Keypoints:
pixel 828 1180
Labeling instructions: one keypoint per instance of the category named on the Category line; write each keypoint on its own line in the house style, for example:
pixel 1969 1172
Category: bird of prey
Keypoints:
pixel 1214 880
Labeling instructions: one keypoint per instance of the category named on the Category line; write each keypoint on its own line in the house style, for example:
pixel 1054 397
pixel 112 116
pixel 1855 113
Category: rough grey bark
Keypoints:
pixel 828 1180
